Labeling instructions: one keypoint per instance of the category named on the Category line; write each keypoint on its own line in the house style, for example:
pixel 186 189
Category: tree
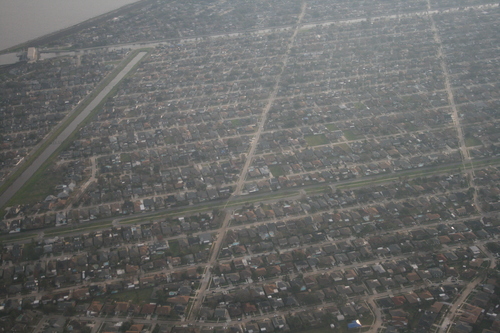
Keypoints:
pixel 69 311
pixel 310 299
pixel 49 308
pixel 493 247
pixel 125 326
pixel 295 323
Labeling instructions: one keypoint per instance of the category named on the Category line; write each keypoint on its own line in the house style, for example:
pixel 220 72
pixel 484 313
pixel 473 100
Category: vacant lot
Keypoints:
pixel 332 127
pixel 136 296
pixel 471 141
pixel 316 140
pixel 276 170
pixel 350 135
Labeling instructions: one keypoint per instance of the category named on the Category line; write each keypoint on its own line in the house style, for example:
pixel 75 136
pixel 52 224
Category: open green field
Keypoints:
pixel 136 296
pixel 341 327
pixel 237 122
pixel 359 106
pixel 325 330
pixel 349 135
pixel 366 320
pixel 410 127
pixel 316 140
pixel 19 237
pixel 83 228
pixel 174 247
pixel 169 140
pixel 276 170
pixel 471 141
pixel 29 252
pixel 125 157
pixel 321 189
pixel 345 147
pixel 332 127
pixel 38 188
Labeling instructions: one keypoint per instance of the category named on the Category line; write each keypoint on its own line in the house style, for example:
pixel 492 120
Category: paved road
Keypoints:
pixel 452 312
pixel 155 43
pixel 225 224
pixel 73 230
pixel 458 302
pixel 272 97
pixel 466 158
pixel 30 171
pixel 449 91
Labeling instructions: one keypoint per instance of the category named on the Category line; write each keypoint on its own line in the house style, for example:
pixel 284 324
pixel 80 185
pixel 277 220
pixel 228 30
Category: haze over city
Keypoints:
pixel 24 20
pixel 201 166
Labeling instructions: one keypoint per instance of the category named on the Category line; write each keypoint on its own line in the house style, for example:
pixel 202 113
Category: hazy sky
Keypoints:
pixel 23 20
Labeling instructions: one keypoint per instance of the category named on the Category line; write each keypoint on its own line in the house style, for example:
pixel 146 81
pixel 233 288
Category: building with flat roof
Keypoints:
pixel 32 54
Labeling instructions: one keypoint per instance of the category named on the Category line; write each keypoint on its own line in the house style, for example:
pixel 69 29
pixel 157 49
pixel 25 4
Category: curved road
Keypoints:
pixel 30 171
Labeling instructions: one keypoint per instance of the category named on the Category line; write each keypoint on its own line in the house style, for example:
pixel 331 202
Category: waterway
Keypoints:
pixel 24 20
pixel 8 58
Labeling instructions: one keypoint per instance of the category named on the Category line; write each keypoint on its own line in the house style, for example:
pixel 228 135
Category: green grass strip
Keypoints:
pixel 249 199
pixel 73 230
pixel 207 207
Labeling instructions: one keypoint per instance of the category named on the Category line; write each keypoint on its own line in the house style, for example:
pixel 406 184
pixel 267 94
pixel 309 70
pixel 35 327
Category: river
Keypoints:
pixel 24 20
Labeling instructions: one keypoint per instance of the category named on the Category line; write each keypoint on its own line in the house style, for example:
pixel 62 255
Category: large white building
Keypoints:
pixel 32 54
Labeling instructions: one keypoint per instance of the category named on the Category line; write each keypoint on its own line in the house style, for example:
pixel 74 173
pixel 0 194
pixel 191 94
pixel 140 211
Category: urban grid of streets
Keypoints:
pixel 191 317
